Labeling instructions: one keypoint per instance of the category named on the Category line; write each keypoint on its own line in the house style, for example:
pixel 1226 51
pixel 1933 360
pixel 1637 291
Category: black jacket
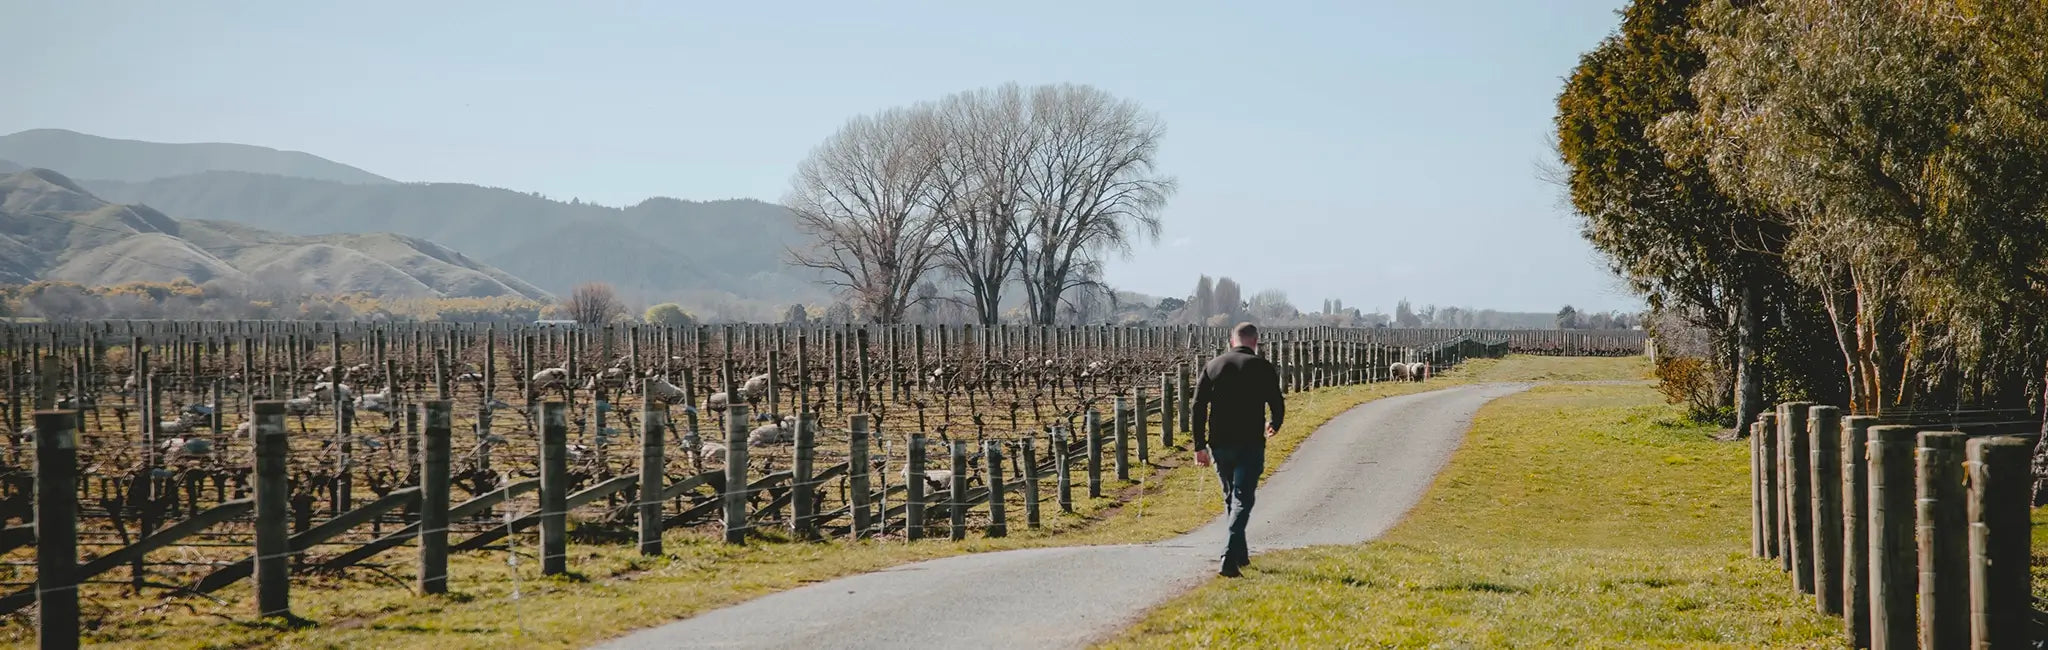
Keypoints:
pixel 1231 397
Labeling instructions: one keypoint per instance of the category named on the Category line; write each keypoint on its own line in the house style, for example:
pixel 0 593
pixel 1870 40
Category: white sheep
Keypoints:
pixel 174 425
pixel 774 433
pixel 756 387
pixel 326 392
pixel 378 402
pixel 179 449
pixel 1397 371
pixel 1417 371
pixel 612 377
pixel 551 378
pixel 717 402
pixel 934 479
pixel 660 389
pixel 300 406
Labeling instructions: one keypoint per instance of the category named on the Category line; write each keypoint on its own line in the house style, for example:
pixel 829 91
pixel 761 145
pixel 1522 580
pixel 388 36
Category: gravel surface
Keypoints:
pixel 1349 482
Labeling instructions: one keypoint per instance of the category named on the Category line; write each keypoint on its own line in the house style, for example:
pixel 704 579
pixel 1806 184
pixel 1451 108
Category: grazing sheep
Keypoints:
pixel 174 425
pixel 551 378
pixel 717 402
pixel 359 370
pixel 300 405
pixel 660 389
pixel 327 391
pixel 378 402
pixel 1397 371
pixel 131 383
pixel 612 377
pixel 245 429
pixel 936 480
pixel 469 377
pixel 756 387
pixel 181 448
pixel 1417 371
pixel 775 433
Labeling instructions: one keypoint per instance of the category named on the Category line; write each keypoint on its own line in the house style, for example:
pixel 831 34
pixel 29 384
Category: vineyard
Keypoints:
pixel 206 453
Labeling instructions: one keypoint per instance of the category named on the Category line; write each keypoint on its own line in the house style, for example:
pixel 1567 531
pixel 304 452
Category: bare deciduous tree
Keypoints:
pixel 594 303
pixel 985 148
pixel 863 196
pixel 1092 188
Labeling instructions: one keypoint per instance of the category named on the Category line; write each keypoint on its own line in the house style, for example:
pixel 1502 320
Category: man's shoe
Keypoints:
pixel 1230 571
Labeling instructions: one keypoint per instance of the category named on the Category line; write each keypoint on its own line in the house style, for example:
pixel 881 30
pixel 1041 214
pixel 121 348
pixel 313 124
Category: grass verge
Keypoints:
pixel 1573 516
pixel 1540 368
pixel 499 603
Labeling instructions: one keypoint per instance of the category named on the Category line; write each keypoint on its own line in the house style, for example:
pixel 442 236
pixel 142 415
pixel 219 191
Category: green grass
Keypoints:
pixel 1573 516
pixel 614 590
pixel 1537 368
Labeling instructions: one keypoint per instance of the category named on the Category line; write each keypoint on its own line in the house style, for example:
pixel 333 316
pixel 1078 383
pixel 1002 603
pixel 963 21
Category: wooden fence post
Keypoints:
pixel 957 502
pixel 433 535
pixel 273 539
pixel 56 529
pixel 735 496
pixel 554 488
pixel 1799 491
pixel 1892 555
pixel 803 492
pixel 1166 411
pixel 914 482
pixel 1120 426
pixel 857 472
pixel 1139 429
pixel 2000 484
pixel 653 457
pixel 998 524
pixel 1944 555
pixel 1824 442
pixel 1063 469
pixel 1856 529
pixel 1093 422
pixel 1030 481
pixel 1757 491
pixel 1767 429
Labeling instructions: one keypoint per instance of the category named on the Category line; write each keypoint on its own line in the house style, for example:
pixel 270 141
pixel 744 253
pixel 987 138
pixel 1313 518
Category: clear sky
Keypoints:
pixel 1364 150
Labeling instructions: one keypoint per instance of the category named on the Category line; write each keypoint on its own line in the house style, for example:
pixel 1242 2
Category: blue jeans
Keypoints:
pixel 1238 467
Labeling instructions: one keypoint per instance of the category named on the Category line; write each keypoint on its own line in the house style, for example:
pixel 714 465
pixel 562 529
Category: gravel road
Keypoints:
pixel 1346 484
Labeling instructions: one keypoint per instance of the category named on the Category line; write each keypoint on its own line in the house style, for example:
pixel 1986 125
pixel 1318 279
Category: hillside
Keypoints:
pixel 51 228
pixel 659 249
pixel 87 156
pixel 8 167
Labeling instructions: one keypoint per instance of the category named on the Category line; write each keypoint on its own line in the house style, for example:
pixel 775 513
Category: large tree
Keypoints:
pixel 864 198
pixel 984 150
pixel 594 303
pixel 1092 189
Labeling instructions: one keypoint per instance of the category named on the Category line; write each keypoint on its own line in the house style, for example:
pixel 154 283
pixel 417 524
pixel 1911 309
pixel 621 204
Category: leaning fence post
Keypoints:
pixel 802 497
pixel 1063 469
pixel 857 472
pixel 653 457
pixel 735 472
pixel 914 483
pixel 1892 554
pixel 1856 529
pixel 554 488
pixel 2000 482
pixel 56 529
pixel 1944 554
pixel 433 535
pixel 273 541
pixel 1030 481
pixel 1799 491
pixel 1093 422
pixel 1120 427
pixel 1824 442
pixel 998 524
pixel 957 506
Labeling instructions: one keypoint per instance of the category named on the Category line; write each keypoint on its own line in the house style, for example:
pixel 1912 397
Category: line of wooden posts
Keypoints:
pixel 59 572
pixel 1916 536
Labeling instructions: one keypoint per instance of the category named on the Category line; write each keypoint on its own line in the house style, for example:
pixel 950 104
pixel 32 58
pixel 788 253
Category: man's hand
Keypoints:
pixel 1202 457
pixel 1270 431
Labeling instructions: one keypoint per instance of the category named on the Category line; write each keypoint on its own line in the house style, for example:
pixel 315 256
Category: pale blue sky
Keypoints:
pixel 1309 138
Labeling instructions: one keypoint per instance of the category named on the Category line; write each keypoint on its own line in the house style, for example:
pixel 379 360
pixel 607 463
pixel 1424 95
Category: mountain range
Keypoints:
pixel 659 249
pixel 51 228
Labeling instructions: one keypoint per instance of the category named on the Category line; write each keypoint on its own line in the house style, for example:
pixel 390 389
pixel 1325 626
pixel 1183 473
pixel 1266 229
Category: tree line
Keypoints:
pixel 997 189
pixel 1850 196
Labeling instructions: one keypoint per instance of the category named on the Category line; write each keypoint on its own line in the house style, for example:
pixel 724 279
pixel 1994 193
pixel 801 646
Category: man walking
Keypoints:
pixel 1231 428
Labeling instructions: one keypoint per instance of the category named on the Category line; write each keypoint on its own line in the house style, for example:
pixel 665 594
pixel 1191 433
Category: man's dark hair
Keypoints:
pixel 1245 332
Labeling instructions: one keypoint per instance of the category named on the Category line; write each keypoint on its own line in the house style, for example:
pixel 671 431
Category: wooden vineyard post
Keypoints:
pixel 803 495
pixel 1139 429
pixel 1757 491
pixel 2000 483
pixel 1120 427
pixel 653 424
pixel 1856 529
pixel 1166 411
pixel 1824 442
pixel 1892 554
pixel 860 394
pixel 914 484
pixel 957 500
pixel 1767 429
pixel 1030 481
pixel 56 529
pixel 998 523
pixel 273 539
pixel 857 473
pixel 1185 396
pixel 554 488
pixel 1093 424
pixel 1942 525
pixel 735 496
pixel 434 443
pixel 1799 491
pixel 1063 462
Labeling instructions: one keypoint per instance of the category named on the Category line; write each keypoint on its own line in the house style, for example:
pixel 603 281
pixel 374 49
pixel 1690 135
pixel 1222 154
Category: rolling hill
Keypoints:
pixel 88 156
pixel 52 228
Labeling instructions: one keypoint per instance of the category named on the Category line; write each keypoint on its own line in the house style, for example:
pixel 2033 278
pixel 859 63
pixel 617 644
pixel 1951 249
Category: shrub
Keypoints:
pixel 1690 381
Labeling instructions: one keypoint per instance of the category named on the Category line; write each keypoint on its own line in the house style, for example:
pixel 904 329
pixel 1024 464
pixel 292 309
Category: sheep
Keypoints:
pixel 358 370
pixel 775 433
pixel 327 391
pixel 1397 371
pixel 612 377
pixel 378 402
pixel 174 425
pixel 182 448
pixel 1417 371
pixel 245 429
pixel 551 378
pixel 660 389
pixel 756 387
pixel 300 405
pixel 934 479
pixel 717 402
